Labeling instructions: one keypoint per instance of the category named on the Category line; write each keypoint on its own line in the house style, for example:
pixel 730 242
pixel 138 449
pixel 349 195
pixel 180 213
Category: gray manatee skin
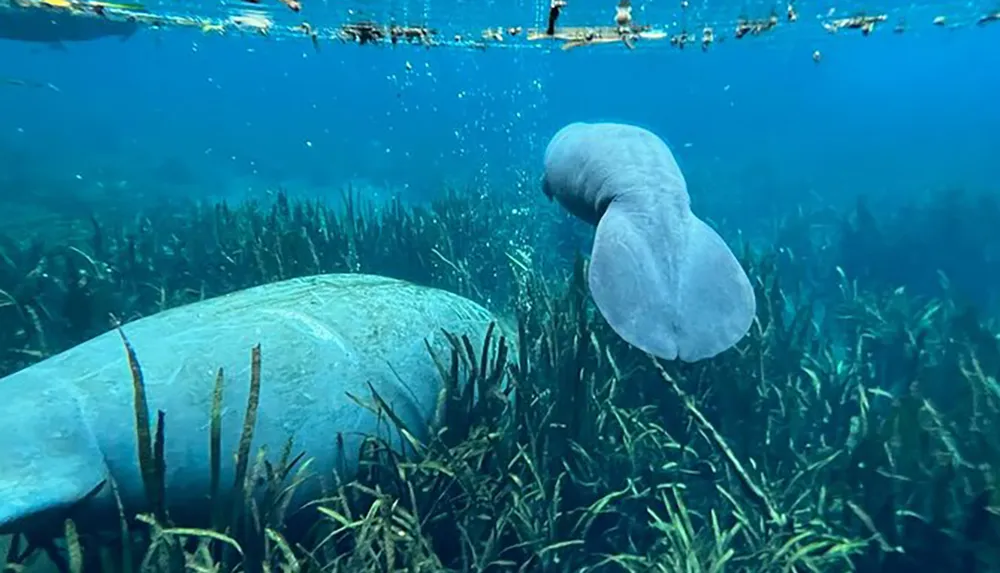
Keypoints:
pixel 68 422
pixel 663 279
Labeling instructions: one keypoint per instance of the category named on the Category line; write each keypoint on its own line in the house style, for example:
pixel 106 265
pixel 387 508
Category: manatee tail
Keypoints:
pixel 669 287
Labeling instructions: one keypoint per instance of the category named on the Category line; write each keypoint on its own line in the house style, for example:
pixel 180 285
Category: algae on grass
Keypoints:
pixel 857 427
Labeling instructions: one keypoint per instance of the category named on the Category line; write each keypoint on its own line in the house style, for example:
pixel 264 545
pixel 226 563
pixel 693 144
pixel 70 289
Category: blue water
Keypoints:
pixel 756 124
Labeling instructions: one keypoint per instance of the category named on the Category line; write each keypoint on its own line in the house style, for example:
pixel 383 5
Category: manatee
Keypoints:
pixel 662 278
pixel 67 423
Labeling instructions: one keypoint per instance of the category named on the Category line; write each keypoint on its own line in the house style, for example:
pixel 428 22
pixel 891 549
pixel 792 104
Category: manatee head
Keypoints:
pixel 664 280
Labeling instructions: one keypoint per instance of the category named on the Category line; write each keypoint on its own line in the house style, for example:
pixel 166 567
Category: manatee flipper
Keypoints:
pixel 669 287
pixel 57 46
pixel 51 461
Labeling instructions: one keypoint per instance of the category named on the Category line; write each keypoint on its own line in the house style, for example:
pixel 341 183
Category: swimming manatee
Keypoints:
pixel 663 279
pixel 67 423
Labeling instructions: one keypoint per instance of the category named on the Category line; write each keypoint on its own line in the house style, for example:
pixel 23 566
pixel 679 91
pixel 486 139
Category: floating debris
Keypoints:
pixel 864 23
pixel 681 39
pixel 293 5
pixel 412 34
pixel 991 17
pixel 707 38
pixel 362 33
pixel 755 27
pixel 254 21
pixel 213 28
pixel 308 30
pixel 371 33
pixel 497 34
pixel 577 37
pixel 622 29
pixel 494 34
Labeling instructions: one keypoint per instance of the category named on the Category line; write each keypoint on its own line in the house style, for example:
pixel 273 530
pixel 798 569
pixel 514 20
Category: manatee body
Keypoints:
pixel 663 279
pixel 67 423
pixel 55 26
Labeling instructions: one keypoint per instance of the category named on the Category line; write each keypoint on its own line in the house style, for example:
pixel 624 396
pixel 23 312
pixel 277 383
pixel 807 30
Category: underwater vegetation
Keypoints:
pixel 856 427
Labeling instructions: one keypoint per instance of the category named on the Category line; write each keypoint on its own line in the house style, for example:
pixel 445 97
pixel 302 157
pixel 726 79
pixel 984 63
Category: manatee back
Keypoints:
pixel 323 339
